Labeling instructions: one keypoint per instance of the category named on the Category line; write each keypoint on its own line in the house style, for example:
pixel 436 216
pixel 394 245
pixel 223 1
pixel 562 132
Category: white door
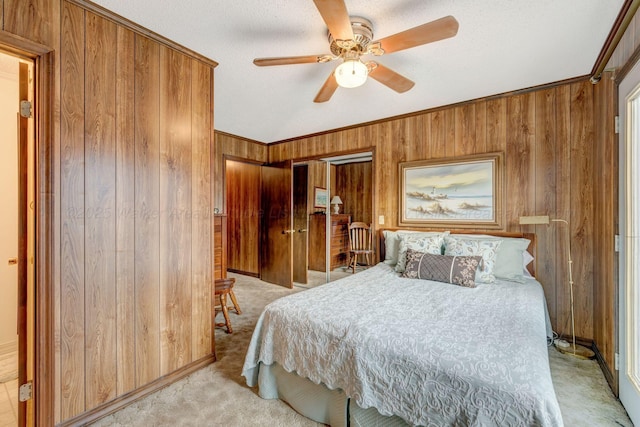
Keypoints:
pixel 629 286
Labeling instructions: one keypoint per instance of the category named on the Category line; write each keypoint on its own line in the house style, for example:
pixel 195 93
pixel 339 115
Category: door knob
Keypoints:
pixel 288 231
pixel 302 230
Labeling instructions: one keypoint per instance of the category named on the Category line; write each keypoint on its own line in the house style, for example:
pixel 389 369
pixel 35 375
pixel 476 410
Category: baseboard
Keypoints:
pixel 244 273
pixel 611 378
pixel 137 394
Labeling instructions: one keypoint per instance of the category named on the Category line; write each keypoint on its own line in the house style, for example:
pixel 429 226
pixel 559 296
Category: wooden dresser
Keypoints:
pixel 339 241
pixel 219 246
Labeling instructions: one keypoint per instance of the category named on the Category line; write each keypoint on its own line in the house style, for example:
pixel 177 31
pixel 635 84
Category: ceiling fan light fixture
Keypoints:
pixel 351 73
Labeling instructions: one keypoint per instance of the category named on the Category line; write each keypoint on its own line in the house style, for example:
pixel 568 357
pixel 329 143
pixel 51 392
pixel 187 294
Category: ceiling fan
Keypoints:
pixel 350 38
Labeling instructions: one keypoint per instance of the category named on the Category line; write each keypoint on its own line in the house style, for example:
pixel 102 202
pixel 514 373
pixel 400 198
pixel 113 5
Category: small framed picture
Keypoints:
pixel 319 197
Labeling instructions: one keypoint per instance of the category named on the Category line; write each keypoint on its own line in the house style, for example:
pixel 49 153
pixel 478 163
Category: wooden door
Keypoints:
pixel 243 215
pixel 300 224
pixel 277 247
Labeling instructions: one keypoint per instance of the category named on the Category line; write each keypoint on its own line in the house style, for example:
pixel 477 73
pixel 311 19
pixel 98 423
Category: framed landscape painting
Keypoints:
pixel 319 197
pixel 465 192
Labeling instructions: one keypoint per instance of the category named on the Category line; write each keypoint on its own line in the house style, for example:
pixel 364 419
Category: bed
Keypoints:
pixel 385 347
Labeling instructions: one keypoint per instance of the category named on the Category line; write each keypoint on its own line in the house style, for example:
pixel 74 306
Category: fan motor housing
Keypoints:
pixel 362 35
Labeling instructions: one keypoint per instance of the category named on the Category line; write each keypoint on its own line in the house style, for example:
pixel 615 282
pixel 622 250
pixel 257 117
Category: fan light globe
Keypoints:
pixel 351 73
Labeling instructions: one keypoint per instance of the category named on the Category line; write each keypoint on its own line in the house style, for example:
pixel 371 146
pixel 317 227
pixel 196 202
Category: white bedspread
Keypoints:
pixel 432 353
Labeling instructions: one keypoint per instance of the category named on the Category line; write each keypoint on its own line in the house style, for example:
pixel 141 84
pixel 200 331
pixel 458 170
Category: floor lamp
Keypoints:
pixel 563 346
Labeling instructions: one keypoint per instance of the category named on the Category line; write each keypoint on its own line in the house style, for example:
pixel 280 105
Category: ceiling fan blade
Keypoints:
pixel 433 31
pixel 328 88
pixel 390 78
pixel 335 15
pixel 288 60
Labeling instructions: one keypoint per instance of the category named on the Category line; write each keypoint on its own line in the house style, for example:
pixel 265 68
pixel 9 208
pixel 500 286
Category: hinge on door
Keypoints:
pixel 25 392
pixel 25 109
pixel 616 361
pixel 616 124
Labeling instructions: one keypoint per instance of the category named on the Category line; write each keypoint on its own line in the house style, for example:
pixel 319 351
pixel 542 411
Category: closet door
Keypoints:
pixel 277 235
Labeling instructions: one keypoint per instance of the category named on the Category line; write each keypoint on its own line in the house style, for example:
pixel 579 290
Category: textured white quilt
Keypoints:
pixel 432 353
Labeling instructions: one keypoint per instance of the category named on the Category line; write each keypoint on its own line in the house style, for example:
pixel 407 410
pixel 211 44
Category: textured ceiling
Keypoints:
pixel 501 45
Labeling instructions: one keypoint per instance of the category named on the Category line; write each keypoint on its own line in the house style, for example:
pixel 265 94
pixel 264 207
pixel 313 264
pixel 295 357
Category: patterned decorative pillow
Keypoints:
pixel 425 244
pixel 487 249
pixel 458 270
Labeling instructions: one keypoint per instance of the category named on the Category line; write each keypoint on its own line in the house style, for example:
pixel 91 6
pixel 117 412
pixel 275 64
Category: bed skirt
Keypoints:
pixel 317 401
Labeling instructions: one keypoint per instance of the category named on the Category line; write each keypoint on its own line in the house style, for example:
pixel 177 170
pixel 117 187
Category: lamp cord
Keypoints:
pixel 573 321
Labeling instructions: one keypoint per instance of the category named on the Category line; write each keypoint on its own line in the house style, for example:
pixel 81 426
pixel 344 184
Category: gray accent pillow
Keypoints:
pixel 457 270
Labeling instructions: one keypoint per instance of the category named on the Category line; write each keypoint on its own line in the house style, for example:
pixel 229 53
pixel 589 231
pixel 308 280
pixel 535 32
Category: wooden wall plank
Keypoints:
pixel 520 158
pixel 496 125
pixel 464 142
pixel 545 192
pixel 175 205
pixel 72 252
pixel 147 209
pixel 34 20
pixel 202 215
pixel 100 225
pixel 564 204
pixel 582 129
pixel 125 211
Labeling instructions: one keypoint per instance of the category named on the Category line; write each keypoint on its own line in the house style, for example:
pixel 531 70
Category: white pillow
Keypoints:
pixel 527 259
pixel 427 242
pixel 392 242
pixel 474 246
pixel 509 257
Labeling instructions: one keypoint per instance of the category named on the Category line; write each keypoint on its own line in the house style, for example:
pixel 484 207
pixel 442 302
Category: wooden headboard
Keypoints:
pixel 530 236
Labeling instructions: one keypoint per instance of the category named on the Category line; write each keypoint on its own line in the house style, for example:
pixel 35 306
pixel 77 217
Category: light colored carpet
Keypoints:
pixel 218 396
pixel 8 366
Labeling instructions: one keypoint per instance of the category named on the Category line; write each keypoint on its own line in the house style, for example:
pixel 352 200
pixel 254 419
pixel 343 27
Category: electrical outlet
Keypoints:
pixel 381 220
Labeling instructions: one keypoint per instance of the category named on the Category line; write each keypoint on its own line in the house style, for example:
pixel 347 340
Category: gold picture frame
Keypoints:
pixel 460 192
pixel 320 197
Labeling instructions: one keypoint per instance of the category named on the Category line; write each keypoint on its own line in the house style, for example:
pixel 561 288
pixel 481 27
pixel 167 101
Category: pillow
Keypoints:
pixel 424 242
pixel 527 259
pixel 458 270
pixel 509 257
pixel 392 243
pixel 473 246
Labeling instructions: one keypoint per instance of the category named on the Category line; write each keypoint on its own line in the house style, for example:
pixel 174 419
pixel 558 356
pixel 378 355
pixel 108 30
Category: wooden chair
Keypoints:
pixel 222 289
pixel 360 243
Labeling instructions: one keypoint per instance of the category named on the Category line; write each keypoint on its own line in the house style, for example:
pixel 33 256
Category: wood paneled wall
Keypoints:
pixel 354 185
pixel 135 194
pixel 232 147
pixel 129 169
pixel 548 139
pixel 628 44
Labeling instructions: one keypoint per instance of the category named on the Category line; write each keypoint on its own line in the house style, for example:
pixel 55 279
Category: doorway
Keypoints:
pixel 17 246
pixel 345 178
